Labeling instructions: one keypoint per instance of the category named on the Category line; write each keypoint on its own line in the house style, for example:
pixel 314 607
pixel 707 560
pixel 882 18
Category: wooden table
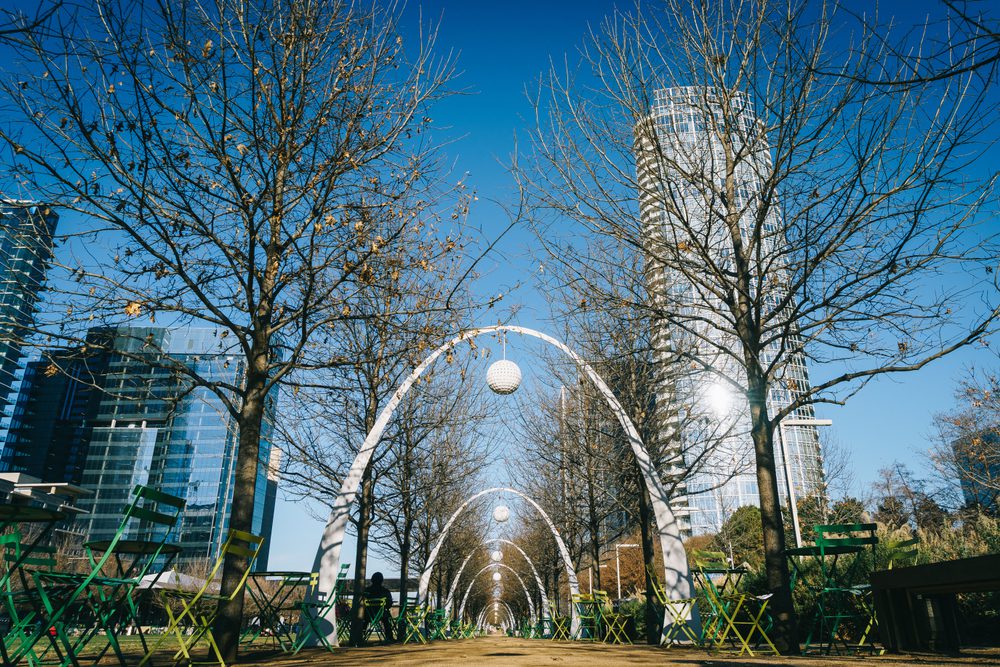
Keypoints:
pixel 916 605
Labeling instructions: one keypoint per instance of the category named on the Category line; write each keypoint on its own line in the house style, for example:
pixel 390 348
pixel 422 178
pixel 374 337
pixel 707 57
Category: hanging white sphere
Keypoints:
pixel 497 556
pixel 496 576
pixel 501 513
pixel 503 377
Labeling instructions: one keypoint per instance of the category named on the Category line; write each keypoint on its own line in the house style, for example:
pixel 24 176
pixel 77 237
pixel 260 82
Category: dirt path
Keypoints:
pixel 519 652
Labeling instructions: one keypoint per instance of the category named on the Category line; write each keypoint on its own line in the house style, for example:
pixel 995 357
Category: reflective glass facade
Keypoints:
pixel 152 426
pixel 26 231
pixel 681 166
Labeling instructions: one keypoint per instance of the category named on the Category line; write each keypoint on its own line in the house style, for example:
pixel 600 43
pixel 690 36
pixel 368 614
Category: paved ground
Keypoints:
pixel 520 652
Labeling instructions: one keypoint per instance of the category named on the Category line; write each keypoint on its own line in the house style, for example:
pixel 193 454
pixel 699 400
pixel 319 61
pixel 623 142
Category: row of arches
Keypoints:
pixel 327 562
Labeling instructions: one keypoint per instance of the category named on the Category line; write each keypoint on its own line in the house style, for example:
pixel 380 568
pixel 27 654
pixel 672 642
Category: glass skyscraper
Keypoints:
pixel 26 231
pixel 128 415
pixel 681 165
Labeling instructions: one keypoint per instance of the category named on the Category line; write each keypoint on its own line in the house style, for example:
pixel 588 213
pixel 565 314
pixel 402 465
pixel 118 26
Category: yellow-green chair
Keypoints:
pixel 198 609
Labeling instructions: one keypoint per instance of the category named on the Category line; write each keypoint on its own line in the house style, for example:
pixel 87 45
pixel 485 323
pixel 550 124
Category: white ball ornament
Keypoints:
pixel 496 576
pixel 497 556
pixel 503 377
pixel 501 513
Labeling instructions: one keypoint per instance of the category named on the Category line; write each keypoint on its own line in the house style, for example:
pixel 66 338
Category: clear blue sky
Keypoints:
pixel 504 46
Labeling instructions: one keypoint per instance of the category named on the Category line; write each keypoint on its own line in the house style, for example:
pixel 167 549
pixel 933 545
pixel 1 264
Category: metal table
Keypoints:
pixel 272 593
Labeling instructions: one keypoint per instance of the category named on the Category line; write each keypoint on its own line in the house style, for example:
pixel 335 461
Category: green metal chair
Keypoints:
pixel 437 624
pixel 198 609
pixel 731 616
pixel 560 625
pixel 374 610
pixel 413 615
pixel 588 611
pixel 312 609
pixel 21 602
pixel 844 601
pixel 104 597
pixel 679 612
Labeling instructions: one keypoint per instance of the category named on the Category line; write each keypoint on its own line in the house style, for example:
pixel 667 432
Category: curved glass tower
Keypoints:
pixel 704 421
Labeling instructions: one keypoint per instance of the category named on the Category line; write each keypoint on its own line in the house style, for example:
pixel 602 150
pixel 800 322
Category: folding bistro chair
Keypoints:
pixel 315 607
pixel 845 598
pixel 198 609
pixel 414 618
pixel 104 596
pixel 678 613
pixel 374 609
pixel 560 625
pixel 732 615
pixel 589 613
pixel 20 600
pixel 437 623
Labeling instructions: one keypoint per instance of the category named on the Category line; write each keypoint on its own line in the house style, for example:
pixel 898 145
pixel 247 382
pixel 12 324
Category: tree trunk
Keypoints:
pixel 361 556
pixel 649 563
pixel 230 616
pixel 404 564
pixel 784 633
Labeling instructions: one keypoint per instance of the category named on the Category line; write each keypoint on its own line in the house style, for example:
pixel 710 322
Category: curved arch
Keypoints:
pixel 425 576
pixel 538 580
pixel 481 619
pixel 676 581
pixel 527 595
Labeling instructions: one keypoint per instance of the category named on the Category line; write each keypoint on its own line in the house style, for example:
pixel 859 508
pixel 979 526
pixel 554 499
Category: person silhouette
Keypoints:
pixel 378 591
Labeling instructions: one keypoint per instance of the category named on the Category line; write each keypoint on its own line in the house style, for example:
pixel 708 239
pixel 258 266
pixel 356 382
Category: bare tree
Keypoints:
pixel 966 452
pixel 791 217
pixel 243 163
pixel 964 40
pixel 598 295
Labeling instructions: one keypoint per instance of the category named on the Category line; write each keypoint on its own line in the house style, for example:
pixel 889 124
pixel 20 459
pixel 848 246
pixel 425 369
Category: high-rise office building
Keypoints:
pixel 26 231
pixel 681 161
pixel 128 415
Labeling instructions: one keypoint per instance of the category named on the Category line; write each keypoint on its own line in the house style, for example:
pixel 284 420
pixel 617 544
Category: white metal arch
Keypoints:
pixel 676 580
pixel 498 540
pixel 481 622
pixel 527 594
pixel 425 576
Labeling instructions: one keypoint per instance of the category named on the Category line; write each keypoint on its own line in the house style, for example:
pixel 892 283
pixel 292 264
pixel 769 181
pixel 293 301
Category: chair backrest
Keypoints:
pixel 238 544
pixel 705 559
pixel 152 515
pixel 846 535
pixel 902 552
pixel 13 557
pixel 152 512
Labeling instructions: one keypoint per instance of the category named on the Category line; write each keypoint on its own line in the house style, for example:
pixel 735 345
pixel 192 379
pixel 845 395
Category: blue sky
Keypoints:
pixel 502 47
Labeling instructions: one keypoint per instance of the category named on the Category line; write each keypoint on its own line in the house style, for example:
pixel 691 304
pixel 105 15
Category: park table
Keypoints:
pixel 272 593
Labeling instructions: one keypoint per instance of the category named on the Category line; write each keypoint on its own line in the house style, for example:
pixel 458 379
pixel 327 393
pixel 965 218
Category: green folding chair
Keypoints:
pixel 312 610
pixel 104 597
pixel 374 610
pixel 678 613
pixel 844 601
pixel 588 611
pixel 414 618
pixel 437 624
pixel 198 609
pixel 20 600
